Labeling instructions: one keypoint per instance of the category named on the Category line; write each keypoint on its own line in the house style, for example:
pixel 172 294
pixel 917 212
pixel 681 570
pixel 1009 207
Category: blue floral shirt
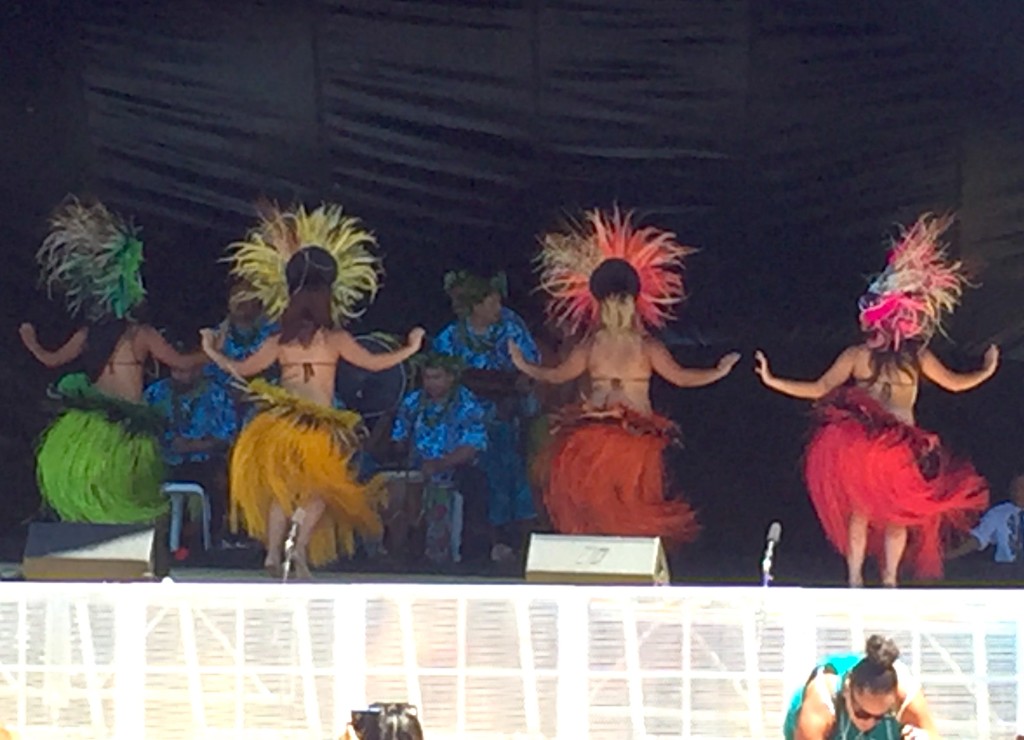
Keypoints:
pixel 204 412
pixel 239 344
pixel 437 428
pixel 487 351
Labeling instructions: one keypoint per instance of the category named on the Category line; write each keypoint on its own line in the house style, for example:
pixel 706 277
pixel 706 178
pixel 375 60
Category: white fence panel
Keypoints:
pixel 223 660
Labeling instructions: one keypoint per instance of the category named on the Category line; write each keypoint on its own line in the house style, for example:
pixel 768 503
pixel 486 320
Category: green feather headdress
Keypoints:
pixel 451 363
pixel 94 258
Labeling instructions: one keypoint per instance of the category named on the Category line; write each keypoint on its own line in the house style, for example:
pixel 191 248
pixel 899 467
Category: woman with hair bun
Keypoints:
pixel 879 483
pixel 861 697
pixel 609 284
pixel 312 271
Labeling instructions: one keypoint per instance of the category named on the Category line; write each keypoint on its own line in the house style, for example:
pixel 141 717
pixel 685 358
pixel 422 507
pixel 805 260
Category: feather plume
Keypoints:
pixel 918 288
pixel 569 258
pixel 261 258
pixel 94 258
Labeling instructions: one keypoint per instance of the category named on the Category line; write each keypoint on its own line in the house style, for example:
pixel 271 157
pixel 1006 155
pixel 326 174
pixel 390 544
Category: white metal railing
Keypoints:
pixel 222 660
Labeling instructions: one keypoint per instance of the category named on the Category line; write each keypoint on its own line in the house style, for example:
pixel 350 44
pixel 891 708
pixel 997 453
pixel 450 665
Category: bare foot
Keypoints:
pixel 856 583
pixel 301 570
pixel 274 568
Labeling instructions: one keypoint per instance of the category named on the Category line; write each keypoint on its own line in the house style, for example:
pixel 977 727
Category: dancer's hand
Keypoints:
pixel 415 339
pixel 208 339
pixel 992 357
pixel 728 362
pixel 516 354
pixel 27 332
pixel 761 367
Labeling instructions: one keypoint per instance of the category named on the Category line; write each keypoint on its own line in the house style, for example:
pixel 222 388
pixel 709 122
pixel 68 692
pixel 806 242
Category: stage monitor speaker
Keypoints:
pixel 563 558
pixel 67 551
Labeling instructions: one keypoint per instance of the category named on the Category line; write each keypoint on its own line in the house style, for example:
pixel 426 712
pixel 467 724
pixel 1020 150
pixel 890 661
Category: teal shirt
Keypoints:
pixel 886 729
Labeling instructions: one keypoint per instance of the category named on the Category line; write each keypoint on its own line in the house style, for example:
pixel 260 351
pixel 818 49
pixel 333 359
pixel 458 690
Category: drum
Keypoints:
pixel 402 485
pixel 371 394
pixel 494 385
pixel 404 512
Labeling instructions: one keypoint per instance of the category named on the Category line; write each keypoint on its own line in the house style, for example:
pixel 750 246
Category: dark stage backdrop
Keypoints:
pixel 782 138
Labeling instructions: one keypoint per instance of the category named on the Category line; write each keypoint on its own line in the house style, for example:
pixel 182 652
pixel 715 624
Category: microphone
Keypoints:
pixel 772 541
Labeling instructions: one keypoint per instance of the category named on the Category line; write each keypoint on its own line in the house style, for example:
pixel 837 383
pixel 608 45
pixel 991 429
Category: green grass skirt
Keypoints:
pixel 100 461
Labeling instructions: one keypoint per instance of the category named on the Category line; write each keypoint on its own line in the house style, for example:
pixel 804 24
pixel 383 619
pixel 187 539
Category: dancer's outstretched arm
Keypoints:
pixel 264 356
pixel 571 367
pixel 666 366
pixel 933 369
pixel 155 346
pixel 351 351
pixel 67 352
pixel 834 377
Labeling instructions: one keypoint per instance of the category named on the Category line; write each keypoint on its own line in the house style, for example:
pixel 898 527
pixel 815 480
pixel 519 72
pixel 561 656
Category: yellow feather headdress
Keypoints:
pixel 260 261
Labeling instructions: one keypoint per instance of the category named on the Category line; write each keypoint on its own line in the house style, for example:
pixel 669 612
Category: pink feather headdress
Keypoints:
pixel 569 259
pixel 918 287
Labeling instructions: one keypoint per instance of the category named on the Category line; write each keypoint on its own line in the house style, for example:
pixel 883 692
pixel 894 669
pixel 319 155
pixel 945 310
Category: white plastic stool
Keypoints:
pixel 178 492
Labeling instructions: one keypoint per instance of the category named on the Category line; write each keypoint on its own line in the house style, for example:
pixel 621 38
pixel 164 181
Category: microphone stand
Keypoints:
pixel 774 533
pixel 289 543
pixel 766 564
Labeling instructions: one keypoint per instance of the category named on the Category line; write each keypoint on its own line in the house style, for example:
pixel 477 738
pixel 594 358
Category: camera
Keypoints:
pixel 380 721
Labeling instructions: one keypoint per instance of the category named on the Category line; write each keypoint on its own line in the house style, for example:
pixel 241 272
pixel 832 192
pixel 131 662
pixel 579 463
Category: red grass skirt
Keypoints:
pixel 605 474
pixel 862 459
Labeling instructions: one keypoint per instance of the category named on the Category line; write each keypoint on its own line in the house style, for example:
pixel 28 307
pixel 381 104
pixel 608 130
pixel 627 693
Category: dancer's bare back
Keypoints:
pixel 123 374
pixel 309 371
pixel 620 366
pixel 620 371
pixel 894 388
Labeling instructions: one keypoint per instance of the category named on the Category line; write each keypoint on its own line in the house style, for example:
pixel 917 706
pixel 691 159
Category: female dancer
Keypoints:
pixel 310 270
pixel 609 281
pixel 873 476
pixel 871 696
pixel 100 461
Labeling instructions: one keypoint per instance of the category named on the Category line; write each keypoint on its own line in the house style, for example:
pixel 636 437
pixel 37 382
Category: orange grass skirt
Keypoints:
pixel 604 473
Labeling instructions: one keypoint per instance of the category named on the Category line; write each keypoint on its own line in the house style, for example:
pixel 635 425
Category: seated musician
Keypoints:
pixel 479 337
pixel 443 426
pixel 200 423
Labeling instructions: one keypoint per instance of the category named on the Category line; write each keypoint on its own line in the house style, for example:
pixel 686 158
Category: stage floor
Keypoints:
pixel 223 653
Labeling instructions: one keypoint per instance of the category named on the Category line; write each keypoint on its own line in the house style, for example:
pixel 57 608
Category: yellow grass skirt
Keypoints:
pixel 294 451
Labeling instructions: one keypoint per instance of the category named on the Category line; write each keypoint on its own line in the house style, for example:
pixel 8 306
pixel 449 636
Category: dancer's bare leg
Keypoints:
pixel 856 547
pixel 314 509
pixel 277 528
pixel 895 544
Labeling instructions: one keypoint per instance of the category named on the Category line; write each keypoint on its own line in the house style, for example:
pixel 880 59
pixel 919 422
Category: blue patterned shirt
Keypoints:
pixel 437 428
pixel 206 411
pixel 487 351
pixel 239 344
